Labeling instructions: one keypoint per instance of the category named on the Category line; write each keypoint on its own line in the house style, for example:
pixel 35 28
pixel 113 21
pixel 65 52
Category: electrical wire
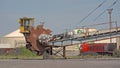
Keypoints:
pixel 92 11
pixel 105 10
pixel 119 4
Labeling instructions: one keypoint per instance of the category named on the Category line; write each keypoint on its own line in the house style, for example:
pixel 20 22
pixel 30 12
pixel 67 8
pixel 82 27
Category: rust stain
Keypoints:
pixel 33 38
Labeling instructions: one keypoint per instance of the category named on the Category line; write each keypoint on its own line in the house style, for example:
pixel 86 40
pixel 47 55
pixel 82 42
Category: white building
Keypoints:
pixel 87 31
pixel 12 40
pixel 83 30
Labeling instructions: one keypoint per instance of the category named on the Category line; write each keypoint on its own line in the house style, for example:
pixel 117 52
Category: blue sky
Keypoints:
pixel 58 15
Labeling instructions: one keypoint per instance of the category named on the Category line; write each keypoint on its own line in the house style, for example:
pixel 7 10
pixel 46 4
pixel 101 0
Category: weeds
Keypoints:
pixel 116 53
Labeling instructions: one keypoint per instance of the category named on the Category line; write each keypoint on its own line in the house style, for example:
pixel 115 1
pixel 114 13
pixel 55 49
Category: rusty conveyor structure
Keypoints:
pixel 82 38
pixel 64 41
pixel 40 40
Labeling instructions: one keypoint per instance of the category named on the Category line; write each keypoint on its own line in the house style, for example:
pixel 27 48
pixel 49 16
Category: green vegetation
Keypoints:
pixel 116 53
pixel 25 54
pixel 19 57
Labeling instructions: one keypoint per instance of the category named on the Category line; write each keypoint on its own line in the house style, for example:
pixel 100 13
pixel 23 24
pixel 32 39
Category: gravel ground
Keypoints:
pixel 61 63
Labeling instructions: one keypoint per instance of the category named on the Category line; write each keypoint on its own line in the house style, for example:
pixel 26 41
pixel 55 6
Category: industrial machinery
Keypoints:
pixel 39 39
pixel 36 38
pixel 25 24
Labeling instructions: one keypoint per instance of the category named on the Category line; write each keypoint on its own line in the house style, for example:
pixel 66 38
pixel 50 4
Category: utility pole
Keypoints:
pixel 110 22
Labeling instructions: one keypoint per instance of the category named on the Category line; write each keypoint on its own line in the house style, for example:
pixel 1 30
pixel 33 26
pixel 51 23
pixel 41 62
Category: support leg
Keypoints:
pixel 51 51
pixel 64 52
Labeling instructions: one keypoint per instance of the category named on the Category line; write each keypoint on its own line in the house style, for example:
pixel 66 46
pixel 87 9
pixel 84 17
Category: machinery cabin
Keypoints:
pixel 25 24
pixel 32 35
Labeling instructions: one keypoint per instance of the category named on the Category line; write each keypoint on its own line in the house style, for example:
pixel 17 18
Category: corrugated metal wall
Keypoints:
pixel 12 41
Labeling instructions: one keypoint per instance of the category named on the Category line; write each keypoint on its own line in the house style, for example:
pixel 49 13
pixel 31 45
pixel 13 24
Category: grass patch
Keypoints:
pixel 19 57
pixel 25 54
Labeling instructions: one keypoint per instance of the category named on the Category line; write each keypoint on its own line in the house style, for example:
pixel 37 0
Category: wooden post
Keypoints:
pixel 64 52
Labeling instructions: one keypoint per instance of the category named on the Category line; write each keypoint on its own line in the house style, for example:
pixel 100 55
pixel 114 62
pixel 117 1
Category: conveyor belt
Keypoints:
pixel 99 35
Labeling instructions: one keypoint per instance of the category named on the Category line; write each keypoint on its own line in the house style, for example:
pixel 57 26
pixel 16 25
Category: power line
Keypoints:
pixel 92 11
pixel 105 10
pixel 119 4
